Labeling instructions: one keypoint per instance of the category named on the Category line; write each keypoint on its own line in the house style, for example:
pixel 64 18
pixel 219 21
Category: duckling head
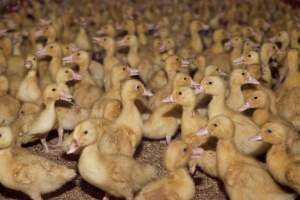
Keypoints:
pixel 213 85
pixel 273 133
pixel 6 137
pixel 107 29
pixel 213 70
pixel 55 92
pixel 173 63
pixel 52 49
pixel 80 58
pixel 258 100
pixel 182 79
pixel 106 42
pixel 184 96
pixel 128 40
pixel 47 31
pixel 219 35
pixel 220 127
pixel 66 74
pixel 31 62
pixel 123 72
pixel 178 154
pixel 28 108
pixel 132 89
pixel 84 134
pixel 241 77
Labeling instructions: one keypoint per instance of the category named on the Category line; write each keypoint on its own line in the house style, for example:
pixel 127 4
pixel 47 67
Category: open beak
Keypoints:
pixel 42 52
pixel 202 132
pixel 76 76
pixel 238 61
pixel 74 146
pixel 68 59
pixel 28 64
pixel 197 152
pixel 252 80
pixel 65 96
pixel 256 138
pixel 246 106
pixel 168 99
pixel 133 72
pixel 147 93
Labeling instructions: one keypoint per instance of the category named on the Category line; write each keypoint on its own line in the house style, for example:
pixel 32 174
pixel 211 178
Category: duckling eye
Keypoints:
pixel 53 89
pixel 0 135
pixel 51 47
pixel 243 73
pixel 185 78
pixel 123 68
pixel 249 55
pixel 34 58
pixel 185 149
pixel 177 59
pixel 180 93
pixel 78 54
pixel 104 39
pixel 269 131
pixel 138 87
pixel 210 82
pixel 22 112
pixel 255 97
pixel 85 132
pixel 215 125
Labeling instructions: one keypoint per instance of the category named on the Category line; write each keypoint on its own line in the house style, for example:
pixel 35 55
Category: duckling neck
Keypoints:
pixel 55 65
pixel 216 105
pixel 130 116
pixel 196 42
pixel 261 116
pixel 110 52
pixel 133 57
pixel 236 52
pixel 236 92
pixel 226 153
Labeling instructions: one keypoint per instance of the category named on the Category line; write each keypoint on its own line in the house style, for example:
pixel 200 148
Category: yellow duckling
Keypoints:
pixel 29 173
pixel 234 167
pixel 118 175
pixel 29 90
pixel 283 157
pixel 177 184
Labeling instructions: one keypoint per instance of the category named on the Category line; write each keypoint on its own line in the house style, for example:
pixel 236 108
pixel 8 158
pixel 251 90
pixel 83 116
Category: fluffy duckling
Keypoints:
pixel 265 110
pixel 118 175
pixel 44 121
pixel 238 77
pixel 245 127
pixel 29 173
pixel 177 184
pixel 29 90
pixel 234 167
pixel 283 157
pixel 9 106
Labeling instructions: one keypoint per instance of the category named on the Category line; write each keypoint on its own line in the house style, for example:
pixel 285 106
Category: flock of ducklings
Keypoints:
pixel 198 65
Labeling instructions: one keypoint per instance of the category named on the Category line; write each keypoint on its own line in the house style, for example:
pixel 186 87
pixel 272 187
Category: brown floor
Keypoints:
pixel 150 152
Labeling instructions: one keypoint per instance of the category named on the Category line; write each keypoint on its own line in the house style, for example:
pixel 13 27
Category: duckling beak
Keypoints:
pixel 194 84
pixel 202 132
pixel 76 76
pixel 246 106
pixel 185 63
pixel 68 59
pixel 252 80
pixel 96 39
pixel 238 61
pixel 147 93
pixel 44 22
pixel 39 33
pixel 256 138
pixel 28 64
pixel 152 26
pixel 74 146
pixel 119 26
pixel 169 99
pixel 162 48
pixel 3 32
pixel 198 89
pixel 197 152
pixel 121 43
pixel 42 52
pixel 228 45
pixel 65 96
pixel 133 72
pixel 224 74
pixel 205 27
pixel 73 48
pixel 100 32
pixel 272 39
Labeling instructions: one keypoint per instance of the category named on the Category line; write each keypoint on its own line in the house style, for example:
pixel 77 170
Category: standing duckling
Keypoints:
pixel 23 171
pixel 177 184
pixel 119 175
pixel 243 176
pixel 283 158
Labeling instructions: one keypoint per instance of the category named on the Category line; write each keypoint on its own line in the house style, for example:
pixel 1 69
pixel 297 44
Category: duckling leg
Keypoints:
pixel 44 143
pixel 168 139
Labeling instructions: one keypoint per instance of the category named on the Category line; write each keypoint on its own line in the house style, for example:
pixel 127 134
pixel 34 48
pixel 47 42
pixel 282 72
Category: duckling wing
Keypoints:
pixel 156 191
pixel 293 173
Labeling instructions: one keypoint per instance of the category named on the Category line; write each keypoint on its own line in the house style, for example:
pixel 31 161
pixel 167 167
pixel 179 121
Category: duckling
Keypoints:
pixel 44 121
pixel 177 184
pixel 234 167
pixel 118 175
pixel 86 92
pixel 283 157
pixel 238 78
pixel 265 110
pixel 245 127
pixel 9 106
pixel 29 90
pixel 29 173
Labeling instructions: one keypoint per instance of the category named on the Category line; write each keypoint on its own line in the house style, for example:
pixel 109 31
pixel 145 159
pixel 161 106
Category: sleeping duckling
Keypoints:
pixel 29 173
pixel 283 157
pixel 9 106
pixel 177 184
pixel 118 175
pixel 29 90
pixel 44 121
pixel 234 167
